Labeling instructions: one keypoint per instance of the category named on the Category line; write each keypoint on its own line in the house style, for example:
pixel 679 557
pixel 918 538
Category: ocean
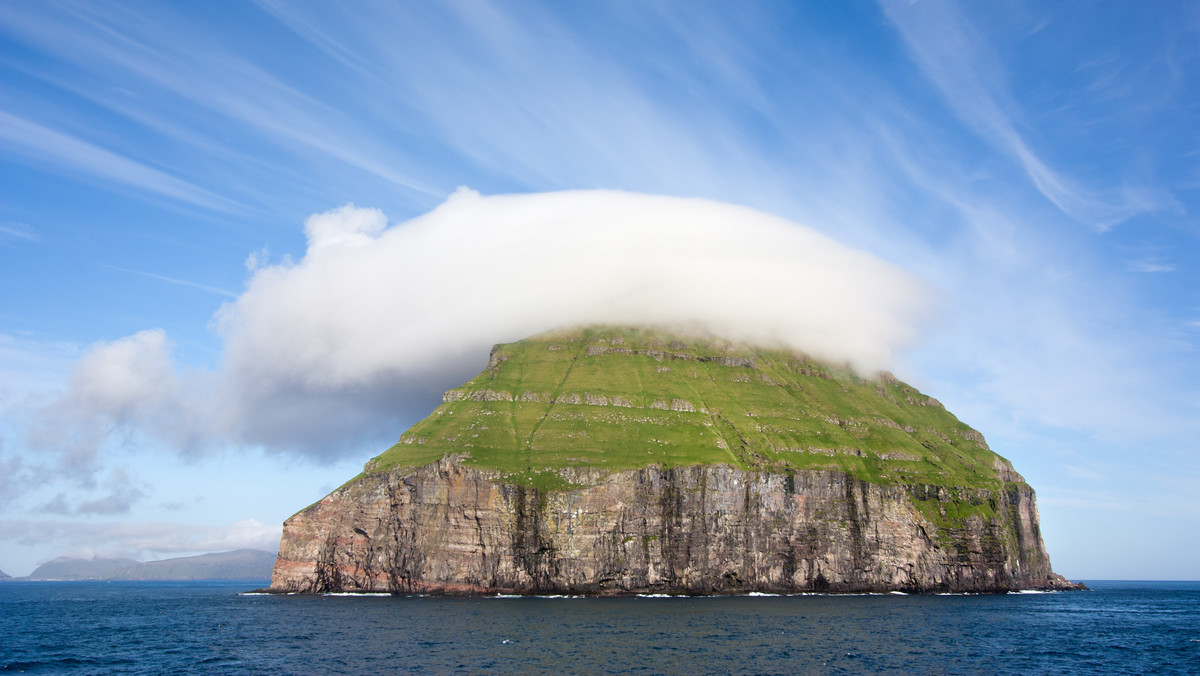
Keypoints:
pixel 211 628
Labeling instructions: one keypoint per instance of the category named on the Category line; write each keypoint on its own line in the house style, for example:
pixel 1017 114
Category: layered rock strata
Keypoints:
pixel 621 461
pixel 446 528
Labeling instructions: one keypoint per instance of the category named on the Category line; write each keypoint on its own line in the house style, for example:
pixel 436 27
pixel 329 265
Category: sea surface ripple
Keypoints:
pixel 208 627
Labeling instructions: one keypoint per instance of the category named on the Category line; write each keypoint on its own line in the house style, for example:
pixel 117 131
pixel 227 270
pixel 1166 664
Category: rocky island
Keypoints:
pixel 609 461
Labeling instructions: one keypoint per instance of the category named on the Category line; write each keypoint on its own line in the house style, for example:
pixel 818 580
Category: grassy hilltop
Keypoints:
pixel 622 399
pixel 616 460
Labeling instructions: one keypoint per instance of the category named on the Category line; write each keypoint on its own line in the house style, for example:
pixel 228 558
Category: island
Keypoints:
pixel 618 461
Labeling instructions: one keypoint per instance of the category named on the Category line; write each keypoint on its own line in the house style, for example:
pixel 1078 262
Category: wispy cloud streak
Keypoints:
pixel 172 280
pixel 162 53
pixel 18 231
pixel 46 145
pixel 958 60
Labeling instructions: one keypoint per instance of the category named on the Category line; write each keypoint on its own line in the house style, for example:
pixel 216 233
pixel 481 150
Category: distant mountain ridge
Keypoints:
pixel 241 564
pixel 68 568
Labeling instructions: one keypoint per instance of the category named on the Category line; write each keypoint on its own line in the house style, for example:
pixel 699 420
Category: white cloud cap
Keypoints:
pixel 373 322
pixel 481 269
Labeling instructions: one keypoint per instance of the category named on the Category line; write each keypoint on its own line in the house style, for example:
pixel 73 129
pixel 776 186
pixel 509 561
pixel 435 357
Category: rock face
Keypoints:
pixel 448 528
pixel 832 519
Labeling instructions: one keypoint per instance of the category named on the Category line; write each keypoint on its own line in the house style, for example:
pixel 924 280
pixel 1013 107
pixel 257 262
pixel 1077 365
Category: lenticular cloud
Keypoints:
pixel 374 320
pixel 370 302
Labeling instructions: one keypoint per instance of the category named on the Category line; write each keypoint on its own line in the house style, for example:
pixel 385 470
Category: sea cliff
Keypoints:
pixel 450 529
pixel 609 461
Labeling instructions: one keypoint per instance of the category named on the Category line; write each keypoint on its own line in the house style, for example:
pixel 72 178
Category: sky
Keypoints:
pixel 245 245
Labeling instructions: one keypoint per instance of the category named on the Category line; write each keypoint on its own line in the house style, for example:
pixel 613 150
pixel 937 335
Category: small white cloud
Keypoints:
pixel 122 391
pixel 123 378
pixel 258 259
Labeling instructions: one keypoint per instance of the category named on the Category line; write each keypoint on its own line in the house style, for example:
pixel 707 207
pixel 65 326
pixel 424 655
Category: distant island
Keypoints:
pixel 241 564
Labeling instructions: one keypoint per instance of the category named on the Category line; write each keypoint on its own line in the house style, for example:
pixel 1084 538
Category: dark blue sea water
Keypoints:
pixel 207 627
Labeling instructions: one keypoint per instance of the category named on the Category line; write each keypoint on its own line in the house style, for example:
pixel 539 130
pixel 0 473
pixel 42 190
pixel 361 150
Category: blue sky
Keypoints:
pixel 1036 165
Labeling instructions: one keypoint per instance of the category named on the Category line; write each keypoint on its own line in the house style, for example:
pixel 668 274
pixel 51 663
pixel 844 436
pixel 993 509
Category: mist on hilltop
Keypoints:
pixel 362 332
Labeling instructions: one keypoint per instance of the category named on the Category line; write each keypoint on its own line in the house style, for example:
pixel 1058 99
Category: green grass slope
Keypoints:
pixel 619 399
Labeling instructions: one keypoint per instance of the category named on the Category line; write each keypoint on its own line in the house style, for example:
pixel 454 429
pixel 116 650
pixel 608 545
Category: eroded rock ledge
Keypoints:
pixel 449 528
